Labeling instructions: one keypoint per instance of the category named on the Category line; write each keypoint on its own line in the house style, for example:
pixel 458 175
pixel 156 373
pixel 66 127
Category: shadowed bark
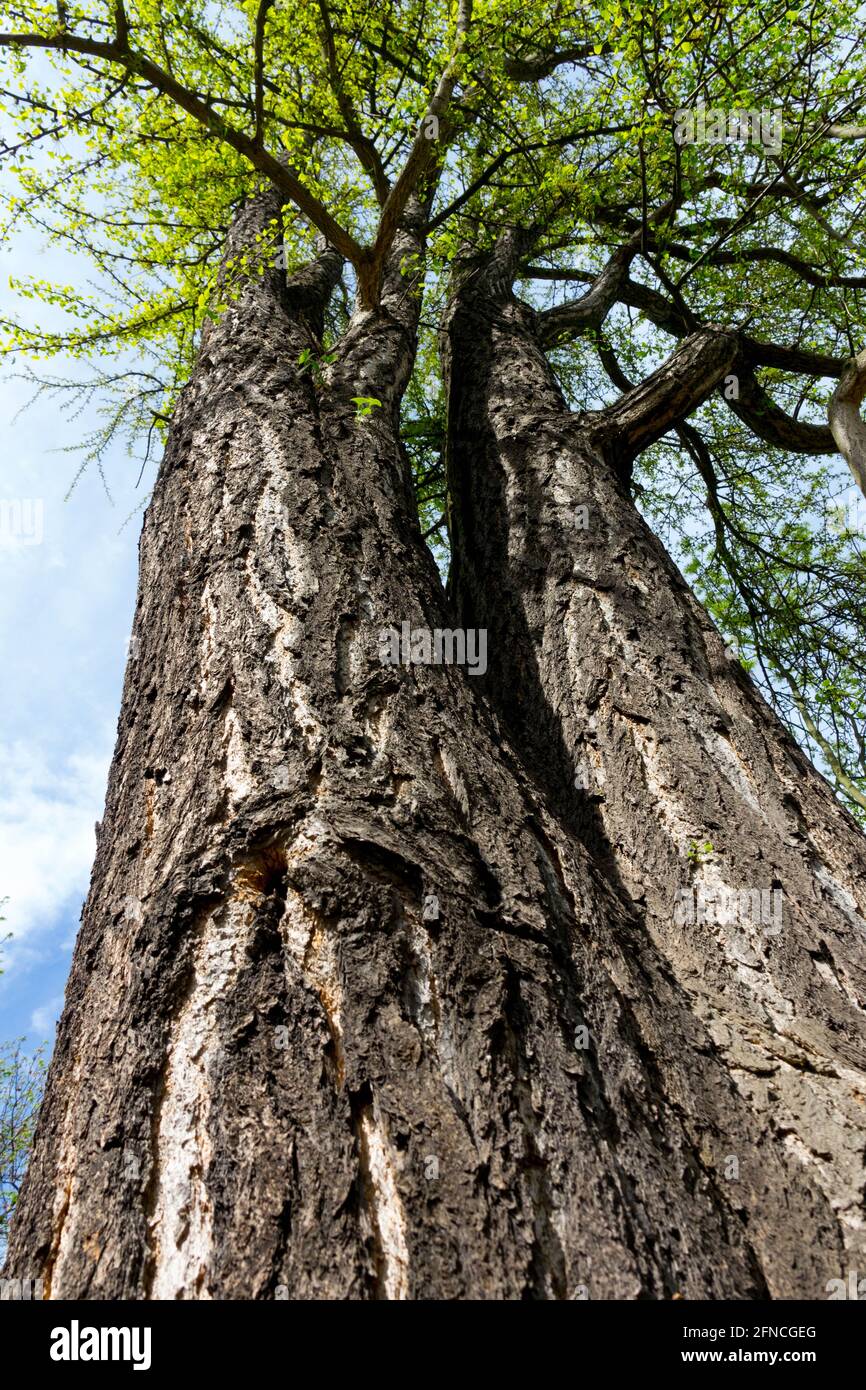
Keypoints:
pixel 662 759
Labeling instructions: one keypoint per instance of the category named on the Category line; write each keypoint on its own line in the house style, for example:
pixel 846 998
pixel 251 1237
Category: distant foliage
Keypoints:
pixel 22 1078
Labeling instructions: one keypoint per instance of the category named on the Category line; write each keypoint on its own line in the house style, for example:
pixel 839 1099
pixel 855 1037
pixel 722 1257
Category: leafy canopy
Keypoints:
pixel 133 132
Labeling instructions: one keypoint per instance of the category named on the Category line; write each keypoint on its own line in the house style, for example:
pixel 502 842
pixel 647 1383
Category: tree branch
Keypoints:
pixel 542 65
pixel 309 289
pixel 679 321
pixel 259 61
pixel 280 174
pixel 847 132
pixel 766 420
pixel 592 308
pixel 846 423
pixel 682 383
pixel 810 273
pixel 364 148
pixel 417 161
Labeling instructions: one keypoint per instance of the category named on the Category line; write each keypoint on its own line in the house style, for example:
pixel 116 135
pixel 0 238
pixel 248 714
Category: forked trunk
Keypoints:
pixel 351 1014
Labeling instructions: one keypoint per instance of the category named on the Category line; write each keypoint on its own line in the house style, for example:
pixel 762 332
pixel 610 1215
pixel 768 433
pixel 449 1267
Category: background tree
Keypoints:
pixel 21 1082
pixel 380 990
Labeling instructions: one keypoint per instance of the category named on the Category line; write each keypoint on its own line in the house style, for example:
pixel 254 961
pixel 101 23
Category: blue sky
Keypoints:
pixel 67 593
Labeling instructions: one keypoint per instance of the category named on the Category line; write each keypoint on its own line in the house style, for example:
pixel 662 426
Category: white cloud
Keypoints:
pixel 43 1018
pixel 47 841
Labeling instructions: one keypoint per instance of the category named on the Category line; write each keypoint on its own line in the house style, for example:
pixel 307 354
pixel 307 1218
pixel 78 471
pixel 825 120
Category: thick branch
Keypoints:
pixel 679 321
pixel 261 19
pixel 121 25
pixel 308 291
pixel 846 423
pixel 667 396
pixel 760 354
pixel 752 405
pixel 654 305
pixel 766 420
pixel 592 308
pixel 417 161
pixel 542 65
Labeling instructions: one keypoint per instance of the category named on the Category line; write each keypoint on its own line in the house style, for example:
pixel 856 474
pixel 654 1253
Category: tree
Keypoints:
pixel 21 1081
pixel 497 941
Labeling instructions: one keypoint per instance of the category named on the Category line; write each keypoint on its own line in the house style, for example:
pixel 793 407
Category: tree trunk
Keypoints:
pixel 658 755
pixel 353 1012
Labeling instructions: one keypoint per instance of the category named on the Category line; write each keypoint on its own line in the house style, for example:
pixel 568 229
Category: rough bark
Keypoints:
pixel 650 743
pixel 359 1008
pixel 322 1031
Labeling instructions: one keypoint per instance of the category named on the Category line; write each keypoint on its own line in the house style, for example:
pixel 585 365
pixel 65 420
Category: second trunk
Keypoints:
pixel 661 758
